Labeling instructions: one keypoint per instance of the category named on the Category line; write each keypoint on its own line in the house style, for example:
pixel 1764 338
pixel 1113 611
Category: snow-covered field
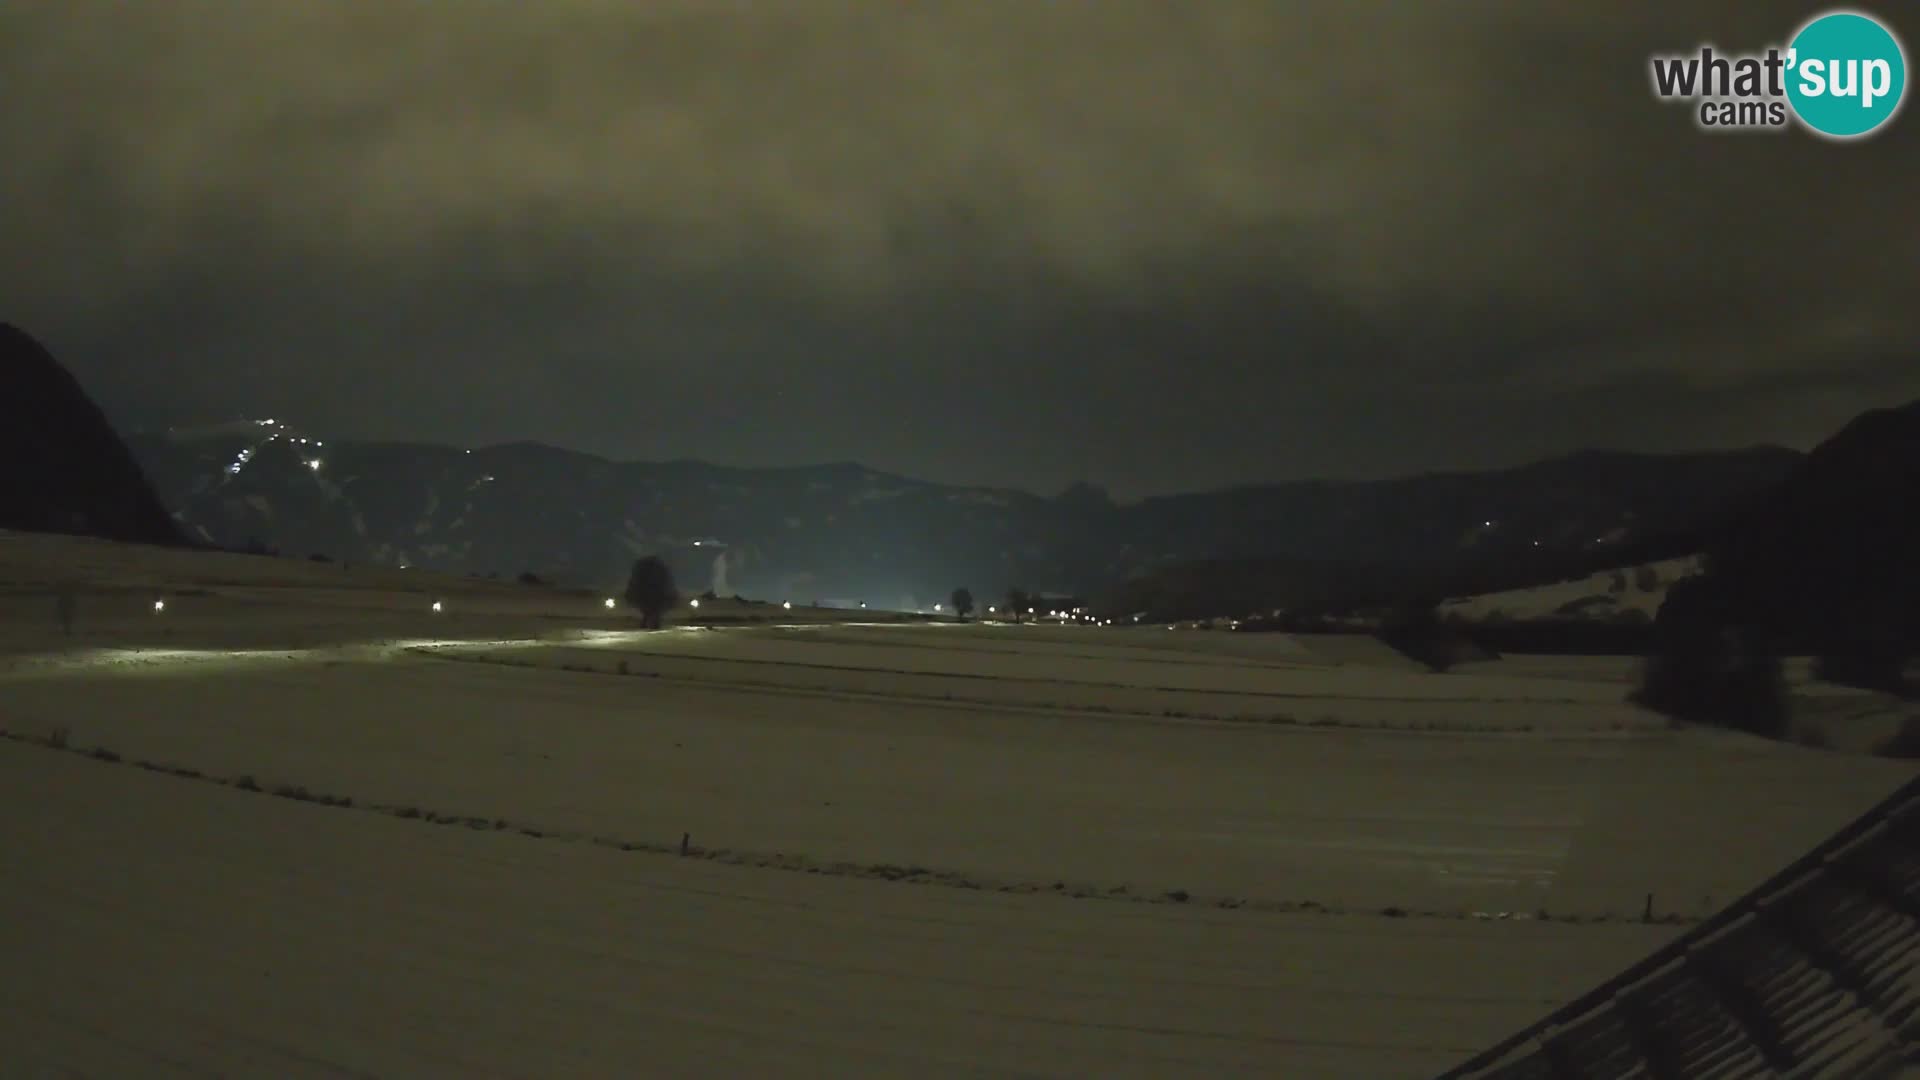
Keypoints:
pixel 1639 589
pixel 908 849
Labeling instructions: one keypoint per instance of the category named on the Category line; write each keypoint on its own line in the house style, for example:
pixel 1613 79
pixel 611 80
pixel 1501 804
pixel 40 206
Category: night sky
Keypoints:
pixel 1153 245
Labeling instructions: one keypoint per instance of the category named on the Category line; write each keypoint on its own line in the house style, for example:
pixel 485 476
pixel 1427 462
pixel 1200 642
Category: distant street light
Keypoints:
pixel 788 604
pixel 159 606
pixel 936 607
pixel 436 605
pixel 695 601
pixel 609 603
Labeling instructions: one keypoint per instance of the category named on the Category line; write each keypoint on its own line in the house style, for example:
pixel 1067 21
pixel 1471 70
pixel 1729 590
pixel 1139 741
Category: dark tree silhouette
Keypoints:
pixel 1709 665
pixel 1017 602
pixel 1865 647
pixel 1416 631
pixel 962 601
pixel 650 590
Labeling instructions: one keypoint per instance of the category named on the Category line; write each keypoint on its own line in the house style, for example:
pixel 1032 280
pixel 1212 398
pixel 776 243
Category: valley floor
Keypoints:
pixel 910 849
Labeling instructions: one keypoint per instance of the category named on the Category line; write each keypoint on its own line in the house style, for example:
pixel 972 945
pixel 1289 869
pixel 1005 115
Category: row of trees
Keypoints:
pixel 1716 653
pixel 1019 603
pixel 651 592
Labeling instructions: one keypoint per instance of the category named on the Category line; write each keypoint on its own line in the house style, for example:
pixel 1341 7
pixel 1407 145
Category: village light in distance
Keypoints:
pixel 609 603
pixel 159 606
pixel 437 606
pixel 695 602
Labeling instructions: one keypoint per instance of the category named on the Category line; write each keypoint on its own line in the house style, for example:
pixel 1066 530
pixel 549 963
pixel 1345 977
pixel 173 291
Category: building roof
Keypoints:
pixel 1812 974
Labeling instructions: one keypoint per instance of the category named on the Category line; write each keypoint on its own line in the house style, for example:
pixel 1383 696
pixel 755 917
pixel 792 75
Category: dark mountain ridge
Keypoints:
pixel 844 532
pixel 63 469
pixel 1829 559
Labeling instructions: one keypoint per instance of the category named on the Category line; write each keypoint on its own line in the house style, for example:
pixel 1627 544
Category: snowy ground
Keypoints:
pixel 911 849
pixel 1597 596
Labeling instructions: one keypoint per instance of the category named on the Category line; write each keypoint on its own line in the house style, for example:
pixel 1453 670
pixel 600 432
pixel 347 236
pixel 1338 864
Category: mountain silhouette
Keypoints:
pixel 63 469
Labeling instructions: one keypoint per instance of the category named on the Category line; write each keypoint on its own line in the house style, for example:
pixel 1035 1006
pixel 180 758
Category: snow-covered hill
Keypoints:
pixel 1630 592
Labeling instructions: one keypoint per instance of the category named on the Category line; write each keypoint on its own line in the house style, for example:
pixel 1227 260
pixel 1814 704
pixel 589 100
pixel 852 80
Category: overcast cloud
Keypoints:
pixel 1154 245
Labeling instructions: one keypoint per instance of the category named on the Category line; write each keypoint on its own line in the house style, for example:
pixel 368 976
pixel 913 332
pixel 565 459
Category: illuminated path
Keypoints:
pixel 130 658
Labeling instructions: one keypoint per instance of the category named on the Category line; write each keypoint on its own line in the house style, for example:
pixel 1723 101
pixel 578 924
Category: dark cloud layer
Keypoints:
pixel 1150 244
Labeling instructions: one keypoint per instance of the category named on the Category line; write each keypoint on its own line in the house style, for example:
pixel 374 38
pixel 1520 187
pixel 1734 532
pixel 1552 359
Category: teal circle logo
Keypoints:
pixel 1846 75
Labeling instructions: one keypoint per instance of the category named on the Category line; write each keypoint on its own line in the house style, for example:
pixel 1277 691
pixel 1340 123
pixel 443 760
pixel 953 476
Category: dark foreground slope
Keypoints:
pixel 62 467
